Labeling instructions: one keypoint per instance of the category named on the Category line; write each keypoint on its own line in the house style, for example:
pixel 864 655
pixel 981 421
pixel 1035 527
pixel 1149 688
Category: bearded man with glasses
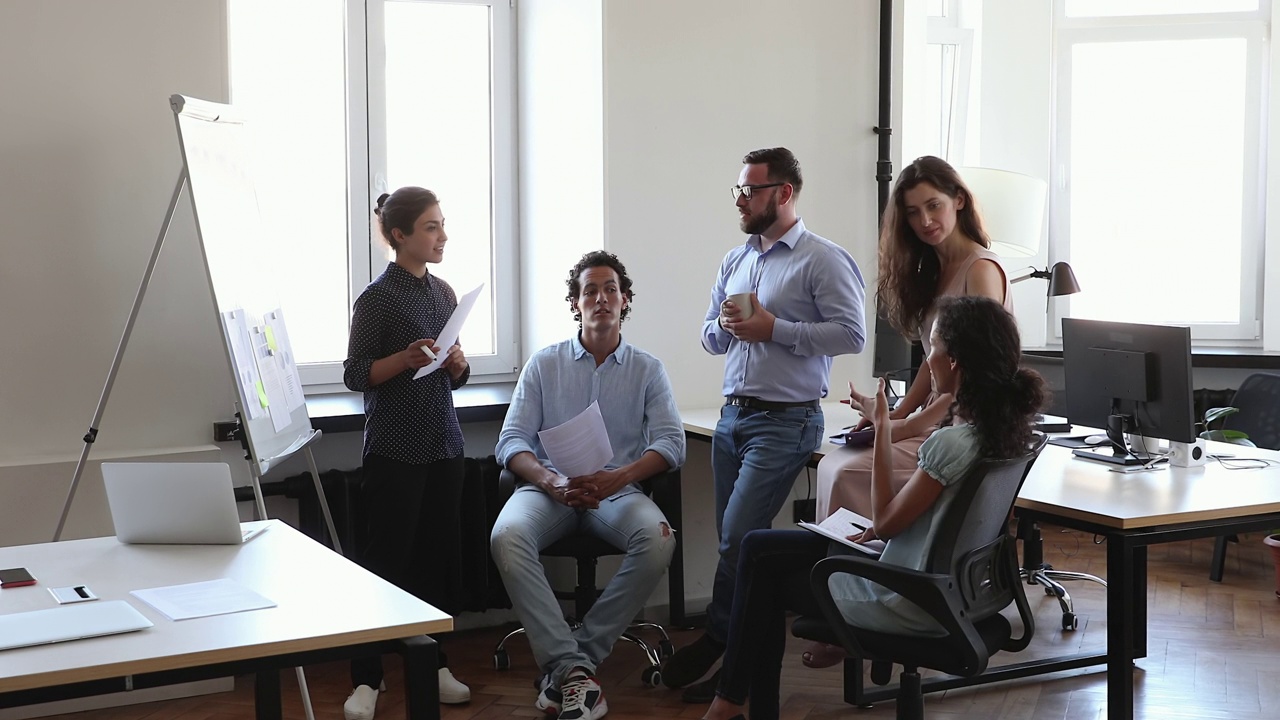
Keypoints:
pixel 784 303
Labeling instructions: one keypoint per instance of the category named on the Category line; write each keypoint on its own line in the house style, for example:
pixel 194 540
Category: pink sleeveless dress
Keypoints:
pixel 844 475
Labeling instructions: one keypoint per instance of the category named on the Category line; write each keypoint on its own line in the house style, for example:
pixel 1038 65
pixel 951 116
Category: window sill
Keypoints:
pixel 1204 357
pixel 344 412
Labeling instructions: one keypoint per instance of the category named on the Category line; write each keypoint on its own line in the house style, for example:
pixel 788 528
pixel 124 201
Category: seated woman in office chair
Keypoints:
pixel 992 402
pixel 932 245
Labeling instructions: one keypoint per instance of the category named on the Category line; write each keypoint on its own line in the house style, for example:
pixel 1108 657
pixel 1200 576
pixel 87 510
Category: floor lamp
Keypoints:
pixel 1012 208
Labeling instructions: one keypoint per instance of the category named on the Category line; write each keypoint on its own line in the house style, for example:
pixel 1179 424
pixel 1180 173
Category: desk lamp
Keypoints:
pixel 1012 207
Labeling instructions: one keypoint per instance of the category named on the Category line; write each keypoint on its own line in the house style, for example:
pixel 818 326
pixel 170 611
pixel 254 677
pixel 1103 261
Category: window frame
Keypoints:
pixel 944 32
pixel 366 153
pixel 1253 28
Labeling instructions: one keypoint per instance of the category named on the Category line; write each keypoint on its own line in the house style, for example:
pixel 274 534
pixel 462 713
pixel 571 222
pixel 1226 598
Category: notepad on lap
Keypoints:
pixel 73 622
pixel 840 525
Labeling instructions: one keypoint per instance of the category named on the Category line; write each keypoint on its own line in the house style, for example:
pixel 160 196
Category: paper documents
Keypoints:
pixel 579 446
pixel 202 599
pixel 841 524
pixel 452 329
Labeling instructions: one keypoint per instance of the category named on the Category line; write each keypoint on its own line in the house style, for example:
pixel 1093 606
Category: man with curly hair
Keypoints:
pixel 647 438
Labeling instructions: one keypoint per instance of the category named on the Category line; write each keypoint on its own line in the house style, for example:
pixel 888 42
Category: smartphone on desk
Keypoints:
pixel 15 577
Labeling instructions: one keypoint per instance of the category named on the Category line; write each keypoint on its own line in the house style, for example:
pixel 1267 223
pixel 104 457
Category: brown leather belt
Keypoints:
pixel 758 404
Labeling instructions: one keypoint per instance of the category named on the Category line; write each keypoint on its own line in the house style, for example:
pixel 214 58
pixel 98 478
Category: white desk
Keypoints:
pixel 328 608
pixel 1132 511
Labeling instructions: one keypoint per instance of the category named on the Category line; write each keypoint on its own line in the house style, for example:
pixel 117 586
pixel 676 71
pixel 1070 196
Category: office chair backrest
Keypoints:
pixel 975 526
pixel 1259 402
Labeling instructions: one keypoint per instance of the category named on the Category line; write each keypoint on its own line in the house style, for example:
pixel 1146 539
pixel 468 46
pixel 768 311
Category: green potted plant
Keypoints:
pixel 1222 434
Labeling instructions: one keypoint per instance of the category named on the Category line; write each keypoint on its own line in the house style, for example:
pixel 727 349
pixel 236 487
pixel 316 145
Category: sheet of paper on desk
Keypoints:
pixel 202 599
pixel 452 329
pixel 842 523
pixel 579 446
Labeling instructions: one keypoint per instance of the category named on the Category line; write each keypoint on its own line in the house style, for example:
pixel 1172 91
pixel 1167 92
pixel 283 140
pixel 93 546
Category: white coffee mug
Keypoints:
pixel 743 301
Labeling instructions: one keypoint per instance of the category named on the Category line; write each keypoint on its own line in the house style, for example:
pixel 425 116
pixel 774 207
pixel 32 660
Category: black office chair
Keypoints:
pixel 1258 400
pixel 1035 571
pixel 586 550
pixel 971 575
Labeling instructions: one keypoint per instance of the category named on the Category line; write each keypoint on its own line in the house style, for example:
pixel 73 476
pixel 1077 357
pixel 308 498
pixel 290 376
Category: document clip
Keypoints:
pixel 72 594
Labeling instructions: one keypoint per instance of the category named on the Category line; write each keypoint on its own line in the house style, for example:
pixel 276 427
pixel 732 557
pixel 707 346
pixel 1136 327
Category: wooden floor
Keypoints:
pixel 1213 652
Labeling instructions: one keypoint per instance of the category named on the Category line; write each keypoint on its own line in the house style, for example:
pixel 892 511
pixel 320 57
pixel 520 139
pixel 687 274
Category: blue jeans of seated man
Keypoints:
pixel 755 457
pixel 531 521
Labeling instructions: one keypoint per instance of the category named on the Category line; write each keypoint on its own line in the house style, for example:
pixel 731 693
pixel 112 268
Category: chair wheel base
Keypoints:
pixel 651 676
pixel 501 661
pixel 1070 622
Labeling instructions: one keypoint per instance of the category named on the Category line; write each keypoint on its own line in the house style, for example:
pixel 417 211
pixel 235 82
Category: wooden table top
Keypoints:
pixel 323 600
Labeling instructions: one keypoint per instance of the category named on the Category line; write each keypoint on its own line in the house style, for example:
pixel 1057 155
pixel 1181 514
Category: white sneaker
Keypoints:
pixel 583 698
pixel 452 692
pixel 549 698
pixel 360 704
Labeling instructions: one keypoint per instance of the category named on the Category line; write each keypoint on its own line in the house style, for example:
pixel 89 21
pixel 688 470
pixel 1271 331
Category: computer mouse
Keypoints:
pixel 1096 440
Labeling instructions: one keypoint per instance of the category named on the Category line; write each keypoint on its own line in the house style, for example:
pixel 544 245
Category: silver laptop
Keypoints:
pixel 173 503
pixel 41 627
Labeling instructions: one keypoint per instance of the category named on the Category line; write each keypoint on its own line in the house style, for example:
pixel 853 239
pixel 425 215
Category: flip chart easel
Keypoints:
pixel 238 262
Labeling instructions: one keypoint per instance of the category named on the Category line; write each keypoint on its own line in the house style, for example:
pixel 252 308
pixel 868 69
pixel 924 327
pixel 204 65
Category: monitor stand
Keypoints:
pixel 1109 456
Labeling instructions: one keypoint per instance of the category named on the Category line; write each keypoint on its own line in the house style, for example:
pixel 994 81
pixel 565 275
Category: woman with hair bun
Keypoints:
pixel 413 462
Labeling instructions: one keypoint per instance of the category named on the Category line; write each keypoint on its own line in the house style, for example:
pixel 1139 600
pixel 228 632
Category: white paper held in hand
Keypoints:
pixel 449 335
pixel 579 446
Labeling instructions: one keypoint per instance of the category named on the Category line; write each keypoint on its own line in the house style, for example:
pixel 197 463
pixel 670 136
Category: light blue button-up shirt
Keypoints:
pixel 815 290
pixel 562 380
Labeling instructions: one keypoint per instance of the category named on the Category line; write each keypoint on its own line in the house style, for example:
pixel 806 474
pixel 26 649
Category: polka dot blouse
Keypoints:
pixel 412 421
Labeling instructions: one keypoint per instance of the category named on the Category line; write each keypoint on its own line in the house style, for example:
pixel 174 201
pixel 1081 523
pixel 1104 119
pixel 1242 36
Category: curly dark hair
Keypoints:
pixel 998 396
pixel 909 269
pixel 599 258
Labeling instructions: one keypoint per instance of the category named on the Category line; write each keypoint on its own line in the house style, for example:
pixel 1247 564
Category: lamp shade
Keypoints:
pixel 1062 280
pixel 1012 207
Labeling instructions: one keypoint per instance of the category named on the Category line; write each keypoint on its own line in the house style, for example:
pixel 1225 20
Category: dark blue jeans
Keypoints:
pixel 772 579
pixel 755 457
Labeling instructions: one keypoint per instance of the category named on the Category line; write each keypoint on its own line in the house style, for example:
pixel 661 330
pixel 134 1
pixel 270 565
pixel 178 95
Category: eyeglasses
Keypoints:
pixel 746 190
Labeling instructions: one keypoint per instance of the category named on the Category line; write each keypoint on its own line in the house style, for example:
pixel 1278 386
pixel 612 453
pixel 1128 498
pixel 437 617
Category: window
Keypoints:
pixel 350 99
pixel 1158 149
pixel 948 62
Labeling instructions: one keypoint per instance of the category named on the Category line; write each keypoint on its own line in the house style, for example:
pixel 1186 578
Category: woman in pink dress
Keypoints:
pixel 932 244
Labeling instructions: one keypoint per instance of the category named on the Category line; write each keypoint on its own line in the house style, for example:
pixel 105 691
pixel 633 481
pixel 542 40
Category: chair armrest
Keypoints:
pixel 934 593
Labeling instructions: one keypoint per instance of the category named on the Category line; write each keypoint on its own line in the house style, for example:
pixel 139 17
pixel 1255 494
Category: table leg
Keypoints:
pixel 1122 610
pixel 1139 575
pixel 266 695
pixel 421 687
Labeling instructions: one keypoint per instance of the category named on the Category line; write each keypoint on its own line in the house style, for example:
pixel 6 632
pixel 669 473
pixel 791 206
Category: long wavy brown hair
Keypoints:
pixel 909 269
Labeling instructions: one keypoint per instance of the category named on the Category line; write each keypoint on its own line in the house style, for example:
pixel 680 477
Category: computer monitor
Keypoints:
pixel 1128 378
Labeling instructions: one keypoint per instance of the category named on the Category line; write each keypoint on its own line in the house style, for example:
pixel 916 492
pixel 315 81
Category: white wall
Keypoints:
pixel 90 157
pixel 690 87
